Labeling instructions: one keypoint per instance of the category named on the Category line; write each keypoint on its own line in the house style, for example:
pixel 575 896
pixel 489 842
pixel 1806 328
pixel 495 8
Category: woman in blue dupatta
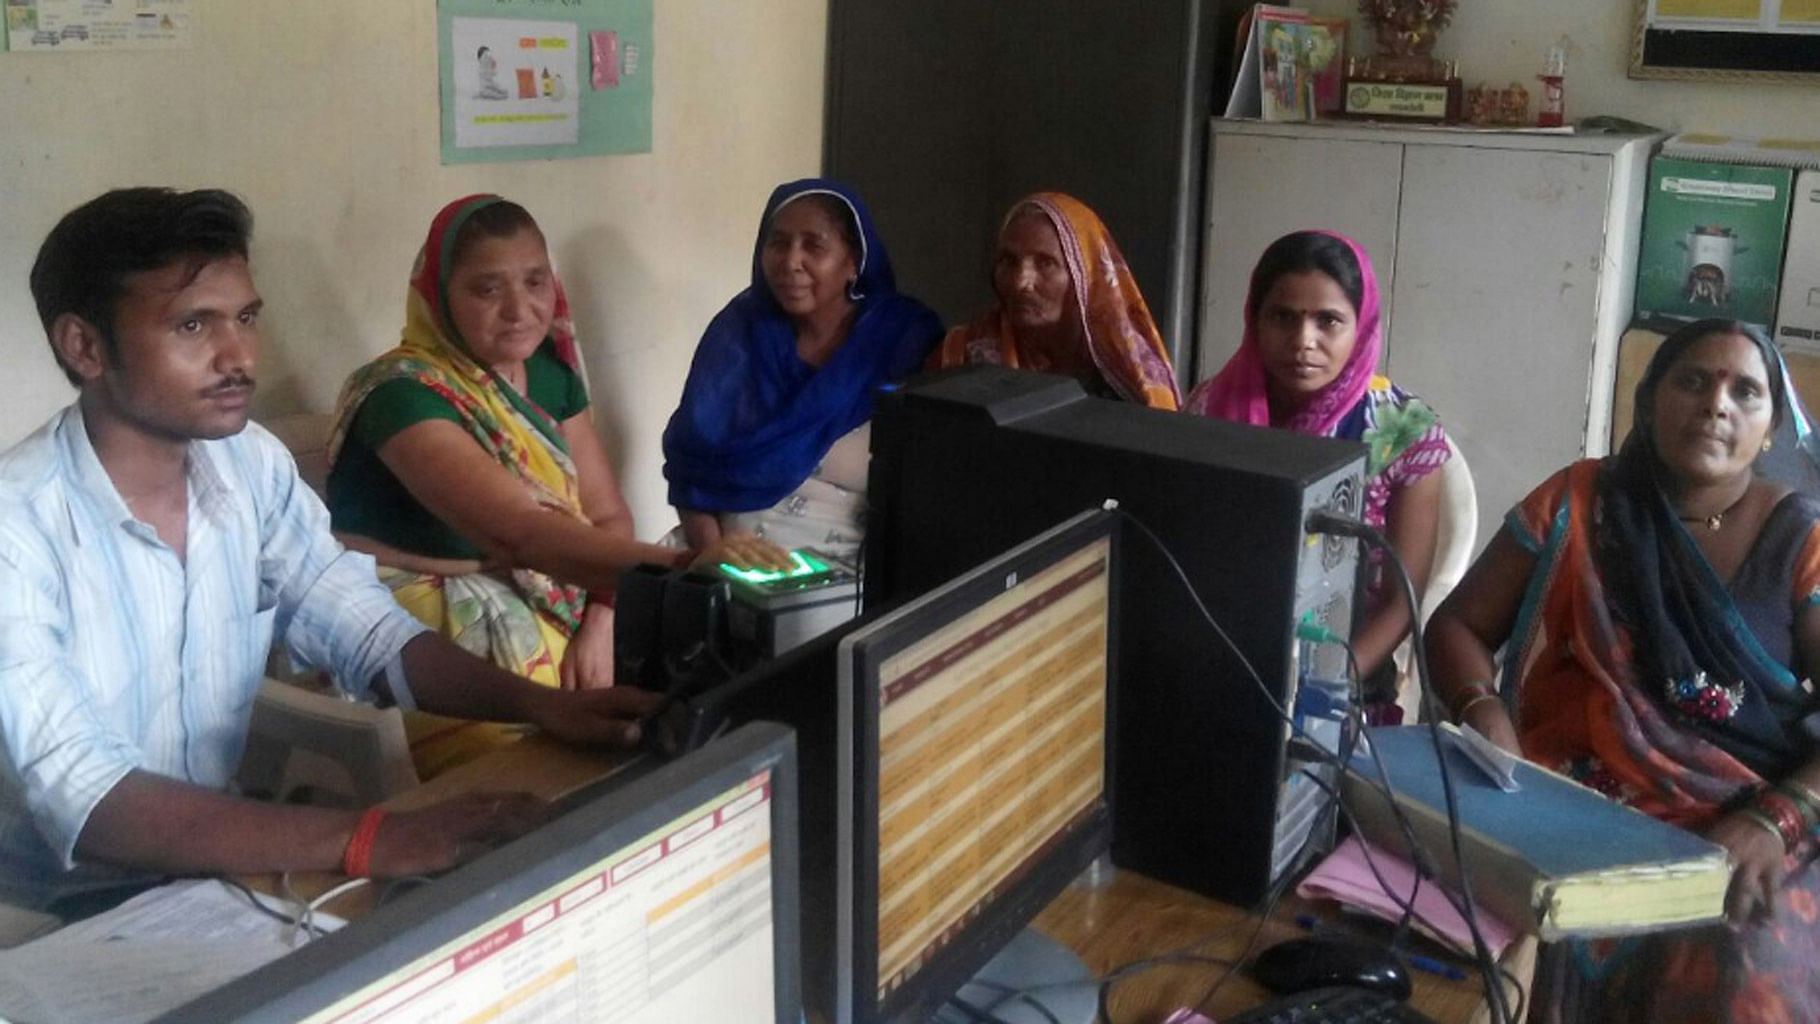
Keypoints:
pixel 1659 612
pixel 771 433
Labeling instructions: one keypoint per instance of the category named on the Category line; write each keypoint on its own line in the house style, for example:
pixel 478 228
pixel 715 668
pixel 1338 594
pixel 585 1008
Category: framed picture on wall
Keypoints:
pixel 1727 40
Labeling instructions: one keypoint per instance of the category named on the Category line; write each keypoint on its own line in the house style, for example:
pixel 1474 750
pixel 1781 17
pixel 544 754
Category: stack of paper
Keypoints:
pixel 1346 876
pixel 148 956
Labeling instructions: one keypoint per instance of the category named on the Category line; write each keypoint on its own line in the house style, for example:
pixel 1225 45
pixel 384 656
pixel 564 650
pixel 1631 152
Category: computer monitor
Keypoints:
pixel 673 897
pixel 967 463
pixel 975 767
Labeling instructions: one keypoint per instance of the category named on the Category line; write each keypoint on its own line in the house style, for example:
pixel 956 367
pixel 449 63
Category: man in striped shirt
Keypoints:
pixel 152 547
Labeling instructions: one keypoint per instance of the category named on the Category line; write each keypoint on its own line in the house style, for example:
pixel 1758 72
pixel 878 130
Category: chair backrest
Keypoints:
pixel 1456 530
pixel 336 751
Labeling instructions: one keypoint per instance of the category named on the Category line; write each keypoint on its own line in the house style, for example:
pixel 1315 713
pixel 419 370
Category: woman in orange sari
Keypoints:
pixel 1068 305
pixel 1659 613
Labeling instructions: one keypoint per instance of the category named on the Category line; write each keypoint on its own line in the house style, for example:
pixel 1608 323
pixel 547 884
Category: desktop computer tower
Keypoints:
pixel 1207 796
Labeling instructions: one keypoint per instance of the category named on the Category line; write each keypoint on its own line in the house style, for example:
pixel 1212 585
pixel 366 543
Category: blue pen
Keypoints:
pixel 1308 922
pixel 1432 966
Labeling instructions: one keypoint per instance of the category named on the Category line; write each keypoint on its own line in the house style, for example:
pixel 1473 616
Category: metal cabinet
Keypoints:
pixel 1507 263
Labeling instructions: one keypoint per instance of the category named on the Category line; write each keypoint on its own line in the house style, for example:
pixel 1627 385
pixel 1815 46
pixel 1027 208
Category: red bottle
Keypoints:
pixel 1554 100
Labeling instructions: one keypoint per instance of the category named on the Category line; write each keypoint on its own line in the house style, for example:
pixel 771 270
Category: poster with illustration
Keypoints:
pixel 47 26
pixel 516 82
pixel 544 79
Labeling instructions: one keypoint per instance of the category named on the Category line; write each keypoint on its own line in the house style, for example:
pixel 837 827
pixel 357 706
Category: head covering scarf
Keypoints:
pixel 1683 625
pixel 1122 339
pixel 755 420
pixel 1631 669
pixel 1240 391
pixel 522 437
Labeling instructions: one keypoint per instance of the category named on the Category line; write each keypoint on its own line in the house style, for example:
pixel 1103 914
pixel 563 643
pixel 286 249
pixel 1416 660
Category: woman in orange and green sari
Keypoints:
pixel 465 460
pixel 1659 614
pixel 1067 305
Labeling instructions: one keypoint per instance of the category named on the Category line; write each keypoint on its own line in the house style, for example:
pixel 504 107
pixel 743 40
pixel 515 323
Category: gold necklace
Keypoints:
pixel 1717 519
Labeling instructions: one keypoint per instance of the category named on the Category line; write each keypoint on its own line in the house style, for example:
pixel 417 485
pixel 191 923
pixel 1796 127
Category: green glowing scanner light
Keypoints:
pixel 805 565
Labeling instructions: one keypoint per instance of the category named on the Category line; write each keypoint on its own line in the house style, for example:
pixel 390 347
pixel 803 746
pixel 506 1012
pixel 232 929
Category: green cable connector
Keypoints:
pixel 1313 632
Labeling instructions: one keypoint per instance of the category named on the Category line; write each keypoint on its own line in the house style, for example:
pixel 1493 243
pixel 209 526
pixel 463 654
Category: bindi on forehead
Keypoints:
pixel 1726 355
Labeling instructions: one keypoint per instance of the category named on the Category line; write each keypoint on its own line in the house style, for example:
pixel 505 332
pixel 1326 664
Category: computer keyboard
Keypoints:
pixel 1332 1006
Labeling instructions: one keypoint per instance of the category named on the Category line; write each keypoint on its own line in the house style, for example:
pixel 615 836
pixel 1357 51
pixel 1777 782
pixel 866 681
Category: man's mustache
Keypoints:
pixel 240 382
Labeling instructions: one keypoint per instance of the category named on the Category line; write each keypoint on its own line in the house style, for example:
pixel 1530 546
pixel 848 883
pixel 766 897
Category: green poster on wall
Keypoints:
pixel 1712 240
pixel 541 79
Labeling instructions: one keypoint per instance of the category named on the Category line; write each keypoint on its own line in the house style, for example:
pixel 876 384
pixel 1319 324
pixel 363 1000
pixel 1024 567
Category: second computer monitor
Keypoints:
pixel 670 898
pixel 974 767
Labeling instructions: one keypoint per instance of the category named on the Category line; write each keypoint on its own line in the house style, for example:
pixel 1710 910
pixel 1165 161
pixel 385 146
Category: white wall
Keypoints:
pixel 1501 41
pixel 323 115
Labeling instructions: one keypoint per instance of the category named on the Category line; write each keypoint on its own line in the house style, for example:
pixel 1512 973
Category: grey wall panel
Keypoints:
pixel 943 112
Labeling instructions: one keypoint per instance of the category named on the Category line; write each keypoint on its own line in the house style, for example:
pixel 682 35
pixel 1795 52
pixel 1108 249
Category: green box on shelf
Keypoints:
pixel 1712 240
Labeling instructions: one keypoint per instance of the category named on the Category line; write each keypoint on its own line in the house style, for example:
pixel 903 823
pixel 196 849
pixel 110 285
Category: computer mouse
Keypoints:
pixel 1321 961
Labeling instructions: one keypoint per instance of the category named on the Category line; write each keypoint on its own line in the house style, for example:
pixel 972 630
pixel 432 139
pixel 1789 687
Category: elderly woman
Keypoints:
pixel 771 432
pixel 1068 305
pixel 1308 363
pixel 1659 612
pixel 466 462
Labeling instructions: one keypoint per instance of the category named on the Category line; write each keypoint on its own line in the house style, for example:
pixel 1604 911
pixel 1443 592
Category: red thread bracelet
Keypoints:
pixel 356 858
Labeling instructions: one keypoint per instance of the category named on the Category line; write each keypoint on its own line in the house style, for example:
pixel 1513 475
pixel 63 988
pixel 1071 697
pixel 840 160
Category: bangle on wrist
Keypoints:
pixel 1784 813
pixel 1465 695
pixel 357 857
pixel 1763 821
pixel 1460 718
pixel 1804 797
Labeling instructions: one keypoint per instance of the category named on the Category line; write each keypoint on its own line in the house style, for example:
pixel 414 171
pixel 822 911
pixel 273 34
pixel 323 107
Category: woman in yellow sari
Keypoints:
pixel 1068 305
pixel 466 462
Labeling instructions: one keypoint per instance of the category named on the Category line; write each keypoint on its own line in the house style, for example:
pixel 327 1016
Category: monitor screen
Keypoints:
pixel 974 760
pixel 670 898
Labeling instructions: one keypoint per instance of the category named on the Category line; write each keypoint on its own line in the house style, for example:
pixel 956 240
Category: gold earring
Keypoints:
pixel 1768 443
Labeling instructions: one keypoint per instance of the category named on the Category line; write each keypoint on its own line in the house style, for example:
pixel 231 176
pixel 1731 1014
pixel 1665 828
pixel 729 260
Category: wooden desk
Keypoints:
pixel 1130 918
pixel 1134 917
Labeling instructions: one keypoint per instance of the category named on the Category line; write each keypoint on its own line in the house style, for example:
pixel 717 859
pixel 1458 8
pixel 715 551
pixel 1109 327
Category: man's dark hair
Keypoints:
pixel 84 262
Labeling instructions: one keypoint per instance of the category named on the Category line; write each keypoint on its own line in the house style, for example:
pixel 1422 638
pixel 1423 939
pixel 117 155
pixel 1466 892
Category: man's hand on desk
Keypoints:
pixel 443 835
pixel 608 716
pixel 449 681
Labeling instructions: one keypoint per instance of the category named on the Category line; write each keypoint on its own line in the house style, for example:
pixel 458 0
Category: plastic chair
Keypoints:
pixel 1456 531
pixel 314 746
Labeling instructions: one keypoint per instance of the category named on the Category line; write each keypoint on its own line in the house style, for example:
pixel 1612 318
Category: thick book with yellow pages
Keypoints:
pixel 1554 857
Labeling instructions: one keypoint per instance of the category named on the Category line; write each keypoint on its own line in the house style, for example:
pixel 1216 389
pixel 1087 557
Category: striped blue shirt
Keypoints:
pixel 116 655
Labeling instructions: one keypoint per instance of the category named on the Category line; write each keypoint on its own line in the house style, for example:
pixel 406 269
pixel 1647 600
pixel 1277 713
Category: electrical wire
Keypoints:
pixel 1011 994
pixel 1328 522
pixel 284 916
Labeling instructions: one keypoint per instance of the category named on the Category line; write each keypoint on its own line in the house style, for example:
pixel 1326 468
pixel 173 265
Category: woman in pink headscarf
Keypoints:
pixel 1308 363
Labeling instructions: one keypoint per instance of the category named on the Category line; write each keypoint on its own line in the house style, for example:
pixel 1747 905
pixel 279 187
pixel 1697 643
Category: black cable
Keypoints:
pixel 1328 522
pixel 1352 730
pixel 975 1013
pixel 1008 994
pixel 1411 914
